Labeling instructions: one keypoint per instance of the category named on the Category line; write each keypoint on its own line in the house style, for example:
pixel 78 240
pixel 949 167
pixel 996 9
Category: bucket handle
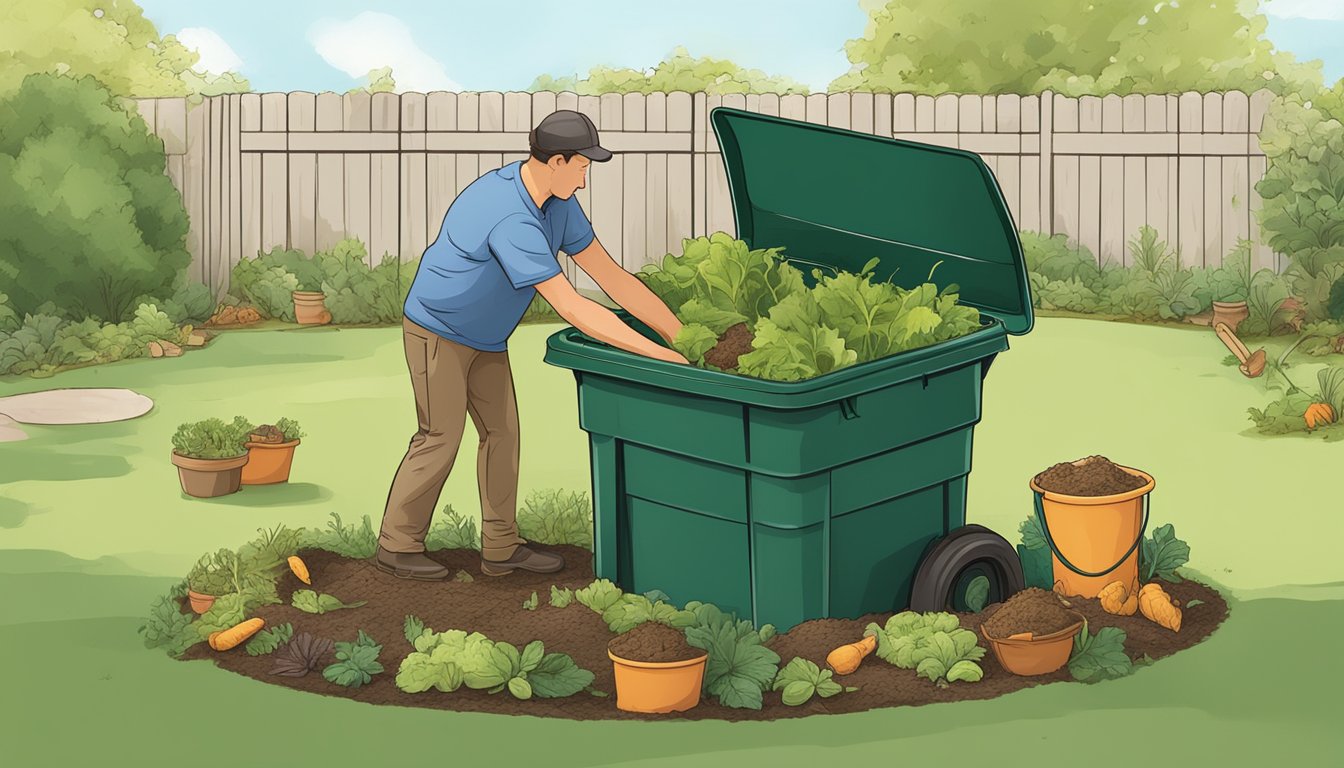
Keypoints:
pixel 1045 527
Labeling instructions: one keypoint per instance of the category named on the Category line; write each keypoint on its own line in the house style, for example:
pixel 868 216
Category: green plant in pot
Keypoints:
pixel 210 455
pixel 209 579
pixel 1231 285
pixel 270 450
pixel 310 301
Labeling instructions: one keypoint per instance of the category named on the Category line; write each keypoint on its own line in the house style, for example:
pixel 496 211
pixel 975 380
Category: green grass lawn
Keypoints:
pixel 93 525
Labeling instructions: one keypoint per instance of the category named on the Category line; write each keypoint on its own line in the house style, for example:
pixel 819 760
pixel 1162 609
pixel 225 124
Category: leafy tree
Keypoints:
pixel 90 219
pixel 1075 47
pixel 113 41
pixel 678 72
pixel 377 81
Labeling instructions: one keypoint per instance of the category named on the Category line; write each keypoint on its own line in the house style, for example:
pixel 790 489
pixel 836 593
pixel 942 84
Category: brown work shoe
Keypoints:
pixel 524 559
pixel 410 565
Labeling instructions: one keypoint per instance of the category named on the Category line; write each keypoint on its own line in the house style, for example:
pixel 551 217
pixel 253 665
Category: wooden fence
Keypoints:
pixel 303 170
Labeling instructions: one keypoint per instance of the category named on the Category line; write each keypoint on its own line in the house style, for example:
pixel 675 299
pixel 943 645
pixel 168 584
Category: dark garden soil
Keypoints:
pixel 735 342
pixel 654 642
pixel 493 606
pixel 1094 476
pixel 1038 611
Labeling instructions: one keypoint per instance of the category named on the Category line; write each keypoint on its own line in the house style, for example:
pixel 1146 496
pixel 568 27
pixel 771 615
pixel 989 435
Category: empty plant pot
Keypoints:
pixel 310 308
pixel 268 463
pixel 1026 655
pixel 658 687
pixel 200 603
pixel 208 478
pixel 1230 312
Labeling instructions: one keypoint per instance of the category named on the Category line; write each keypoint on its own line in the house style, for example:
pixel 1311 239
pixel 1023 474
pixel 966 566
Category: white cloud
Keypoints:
pixel 372 40
pixel 1325 10
pixel 216 55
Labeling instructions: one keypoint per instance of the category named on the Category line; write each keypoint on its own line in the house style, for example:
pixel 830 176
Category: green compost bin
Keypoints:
pixel 789 501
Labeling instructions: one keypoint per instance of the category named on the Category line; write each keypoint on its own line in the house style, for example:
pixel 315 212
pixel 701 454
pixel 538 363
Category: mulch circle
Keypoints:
pixel 493 606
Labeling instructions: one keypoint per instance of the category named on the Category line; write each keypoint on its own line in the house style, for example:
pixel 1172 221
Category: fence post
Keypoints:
pixel 1047 104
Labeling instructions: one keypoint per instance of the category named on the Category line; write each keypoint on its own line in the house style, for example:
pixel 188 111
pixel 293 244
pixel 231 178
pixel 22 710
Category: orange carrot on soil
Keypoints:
pixel 1158 607
pixel 300 569
pixel 845 659
pixel 231 637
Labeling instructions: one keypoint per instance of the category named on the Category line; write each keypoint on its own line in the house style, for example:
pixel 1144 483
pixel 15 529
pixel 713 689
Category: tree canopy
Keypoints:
pixel 677 72
pixel 1074 47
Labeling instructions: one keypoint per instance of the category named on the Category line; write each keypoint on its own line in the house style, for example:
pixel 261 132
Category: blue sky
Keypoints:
pixel 504 44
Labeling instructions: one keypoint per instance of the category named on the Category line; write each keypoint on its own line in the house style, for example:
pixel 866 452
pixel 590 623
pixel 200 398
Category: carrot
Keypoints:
pixel 1156 604
pixel 1319 414
pixel 231 637
pixel 300 569
pixel 1117 599
pixel 845 659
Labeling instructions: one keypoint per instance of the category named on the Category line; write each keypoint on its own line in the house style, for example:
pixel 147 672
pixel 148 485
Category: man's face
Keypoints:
pixel 568 176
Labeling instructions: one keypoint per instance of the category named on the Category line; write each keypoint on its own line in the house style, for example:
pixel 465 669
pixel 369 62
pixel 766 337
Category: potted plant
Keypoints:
pixel 1232 285
pixel 210 456
pixel 656 670
pixel 270 451
pixel 209 579
pixel 309 301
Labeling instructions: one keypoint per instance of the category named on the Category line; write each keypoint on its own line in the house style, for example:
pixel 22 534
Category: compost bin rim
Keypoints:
pixel 817 391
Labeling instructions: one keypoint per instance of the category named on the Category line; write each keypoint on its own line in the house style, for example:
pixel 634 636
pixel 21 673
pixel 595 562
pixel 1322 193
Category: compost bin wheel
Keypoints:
pixel 955 562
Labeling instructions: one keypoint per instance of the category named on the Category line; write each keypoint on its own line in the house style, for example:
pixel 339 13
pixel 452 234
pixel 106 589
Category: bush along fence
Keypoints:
pixel 302 170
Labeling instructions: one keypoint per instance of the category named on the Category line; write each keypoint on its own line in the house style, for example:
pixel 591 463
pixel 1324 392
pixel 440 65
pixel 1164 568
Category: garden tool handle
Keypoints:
pixel 1045 528
pixel 1230 340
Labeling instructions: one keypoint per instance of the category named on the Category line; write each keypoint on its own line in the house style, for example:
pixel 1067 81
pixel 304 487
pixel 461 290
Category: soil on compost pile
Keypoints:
pixel 654 643
pixel 1032 610
pixel 267 433
pixel 735 342
pixel 1095 476
pixel 493 606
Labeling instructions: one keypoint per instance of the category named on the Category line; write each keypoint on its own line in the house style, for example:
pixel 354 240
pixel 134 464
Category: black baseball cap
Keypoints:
pixel 568 131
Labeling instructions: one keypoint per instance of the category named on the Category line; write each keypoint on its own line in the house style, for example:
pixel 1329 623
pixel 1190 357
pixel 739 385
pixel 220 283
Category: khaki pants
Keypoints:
pixel 450 381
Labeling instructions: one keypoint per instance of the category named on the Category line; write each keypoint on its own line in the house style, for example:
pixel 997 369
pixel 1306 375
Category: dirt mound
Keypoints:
pixel 734 343
pixel 654 643
pixel 1031 610
pixel 1092 476
pixel 494 608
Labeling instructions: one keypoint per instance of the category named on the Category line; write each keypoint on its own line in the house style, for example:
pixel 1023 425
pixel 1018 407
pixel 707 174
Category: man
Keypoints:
pixel 496 249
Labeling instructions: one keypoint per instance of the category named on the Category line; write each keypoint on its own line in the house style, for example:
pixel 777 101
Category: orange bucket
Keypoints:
pixel 658 687
pixel 268 463
pixel 1028 656
pixel 1094 540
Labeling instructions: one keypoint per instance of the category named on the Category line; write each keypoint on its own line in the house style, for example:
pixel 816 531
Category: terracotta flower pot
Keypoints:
pixel 268 463
pixel 658 687
pixel 200 603
pixel 310 308
pixel 208 478
pixel 1230 312
pixel 1027 656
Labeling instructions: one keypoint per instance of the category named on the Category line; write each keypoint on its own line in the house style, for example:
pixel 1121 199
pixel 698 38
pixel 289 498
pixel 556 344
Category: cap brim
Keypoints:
pixel 596 154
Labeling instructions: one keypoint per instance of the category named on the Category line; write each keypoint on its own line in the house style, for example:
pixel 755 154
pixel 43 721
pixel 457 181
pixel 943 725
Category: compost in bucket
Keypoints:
pixel 1031 610
pixel 734 343
pixel 1092 476
pixel 654 642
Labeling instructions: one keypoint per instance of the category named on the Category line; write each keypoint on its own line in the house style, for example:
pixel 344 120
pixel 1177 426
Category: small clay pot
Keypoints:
pixel 1027 655
pixel 200 603
pixel 1230 312
pixel 658 687
pixel 208 478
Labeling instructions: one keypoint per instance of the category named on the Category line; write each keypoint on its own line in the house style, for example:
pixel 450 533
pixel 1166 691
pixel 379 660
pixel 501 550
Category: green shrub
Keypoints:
pixel 540 311
pixel 212 574
pixel 355 293
pixel 269 281
pixel 557 517
pixel 90 218
pixel 212 438
pixel 187 302
pixel 289 428
pixel 453 530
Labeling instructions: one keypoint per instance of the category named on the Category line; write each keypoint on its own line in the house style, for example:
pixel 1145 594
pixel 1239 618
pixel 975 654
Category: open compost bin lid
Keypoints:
pixel 838 198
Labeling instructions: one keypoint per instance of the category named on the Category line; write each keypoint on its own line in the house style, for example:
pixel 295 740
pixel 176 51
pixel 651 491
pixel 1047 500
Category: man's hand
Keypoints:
pixel 628 291
pixel 599 322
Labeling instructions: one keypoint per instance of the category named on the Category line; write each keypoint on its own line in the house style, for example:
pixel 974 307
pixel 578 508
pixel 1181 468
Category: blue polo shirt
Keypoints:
pixel 476 279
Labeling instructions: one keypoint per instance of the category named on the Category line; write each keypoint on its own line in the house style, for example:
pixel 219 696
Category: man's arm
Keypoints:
pixel 599 322
pixel 627 290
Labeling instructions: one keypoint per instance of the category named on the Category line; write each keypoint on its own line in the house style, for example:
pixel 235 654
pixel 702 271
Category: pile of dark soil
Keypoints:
pixel 655 643
pixel 1092 476
pixel 734 343
pixel 268 433
pixel 493 606
pixel 1032 610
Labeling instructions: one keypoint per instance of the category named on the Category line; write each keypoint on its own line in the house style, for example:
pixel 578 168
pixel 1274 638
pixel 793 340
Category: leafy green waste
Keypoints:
pixel 356 663
pixel 799 333
pixel 977 593
pixel 623 612
pixel 933 644
pixel 740 667
pixel 314 602
pixel 452 530
pixel 561 598
pixel 445 661
pixel 530 604
pixel 801 679
pixel 267 640
pixel 1161 553
pixel 1099 657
